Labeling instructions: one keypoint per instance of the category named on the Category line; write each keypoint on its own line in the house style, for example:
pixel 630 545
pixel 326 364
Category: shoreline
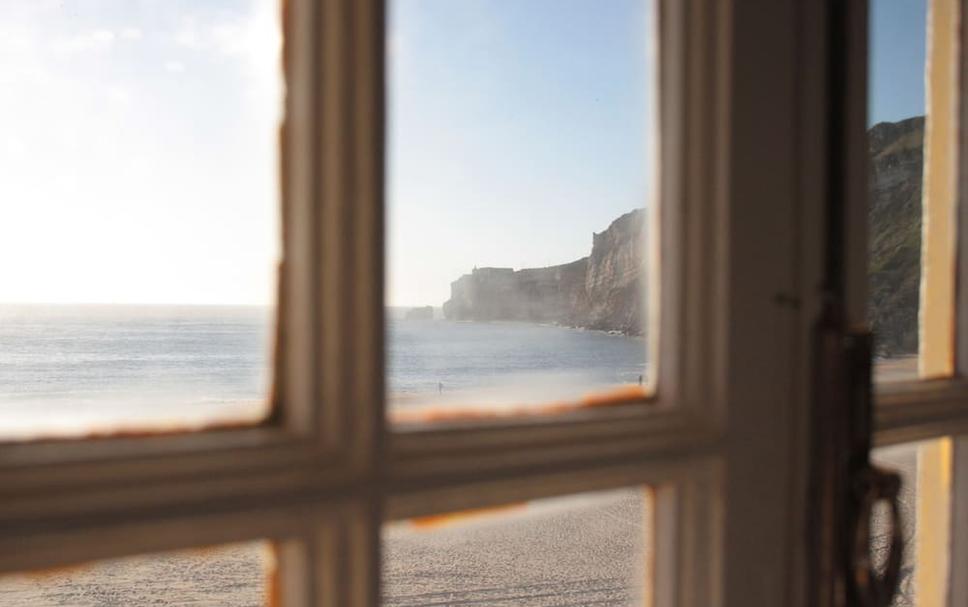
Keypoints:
pixel 527 323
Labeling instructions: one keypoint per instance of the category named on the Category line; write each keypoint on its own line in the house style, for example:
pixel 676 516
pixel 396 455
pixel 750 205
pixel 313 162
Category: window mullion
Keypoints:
pixel 913 411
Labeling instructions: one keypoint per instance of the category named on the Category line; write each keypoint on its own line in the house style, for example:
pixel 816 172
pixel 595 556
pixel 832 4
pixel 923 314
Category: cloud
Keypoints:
pixel 132 33
pixel 175 67
pixel 119 95
pixel 255 35
pixel 20 55
pixel 227 38
pixel 103 36
pixel 188 35
pixel 231 38
pixel 95 40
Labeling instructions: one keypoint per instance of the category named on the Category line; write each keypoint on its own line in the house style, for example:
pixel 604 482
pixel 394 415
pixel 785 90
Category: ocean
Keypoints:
pixel 505 362
pixel 71 369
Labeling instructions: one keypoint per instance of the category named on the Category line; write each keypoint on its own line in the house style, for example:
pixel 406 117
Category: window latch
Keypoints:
pixel 845 487
pixel 868 587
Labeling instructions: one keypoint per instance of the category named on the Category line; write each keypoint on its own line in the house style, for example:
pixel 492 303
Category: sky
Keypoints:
pixel 896 60
pixel 138 139
pixel 138 151
pixel 516 129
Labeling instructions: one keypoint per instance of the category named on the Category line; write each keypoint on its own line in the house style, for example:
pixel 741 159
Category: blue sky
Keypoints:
pixel 896 59
pixel 516 129
pixel 138 139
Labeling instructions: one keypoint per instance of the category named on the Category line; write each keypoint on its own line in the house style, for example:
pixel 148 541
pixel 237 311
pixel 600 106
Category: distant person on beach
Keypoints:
pixel 440 387
pixel 640 380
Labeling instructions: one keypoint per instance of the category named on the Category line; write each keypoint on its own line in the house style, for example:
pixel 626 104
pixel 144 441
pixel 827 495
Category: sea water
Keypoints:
pixel 67 369
pixel 505 362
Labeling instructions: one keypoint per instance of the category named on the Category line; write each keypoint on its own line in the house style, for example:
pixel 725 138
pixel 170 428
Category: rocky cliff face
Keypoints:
pixel 615 281
pixel 601 291
pixel 896 163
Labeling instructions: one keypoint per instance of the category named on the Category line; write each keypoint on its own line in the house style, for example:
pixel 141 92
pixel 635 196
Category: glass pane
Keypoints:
pixel 521 145
pixel 589 549
pixel 138 229
pixel 925 469
pixel 896 144
pixel 914 144
pixel 227 576
pixel 903 459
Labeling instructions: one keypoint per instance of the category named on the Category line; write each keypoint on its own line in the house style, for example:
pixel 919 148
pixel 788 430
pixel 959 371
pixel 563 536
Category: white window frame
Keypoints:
pixel 724 437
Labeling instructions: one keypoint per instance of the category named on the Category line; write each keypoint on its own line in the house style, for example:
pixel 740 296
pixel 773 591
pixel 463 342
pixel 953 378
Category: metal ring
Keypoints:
pixel 871 589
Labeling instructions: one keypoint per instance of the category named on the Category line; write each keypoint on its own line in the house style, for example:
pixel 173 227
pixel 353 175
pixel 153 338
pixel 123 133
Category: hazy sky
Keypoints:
pixel 137 150
pixel 137 139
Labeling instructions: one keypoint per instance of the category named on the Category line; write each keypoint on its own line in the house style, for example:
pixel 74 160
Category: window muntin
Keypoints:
pixel 506 150
pixel 140 147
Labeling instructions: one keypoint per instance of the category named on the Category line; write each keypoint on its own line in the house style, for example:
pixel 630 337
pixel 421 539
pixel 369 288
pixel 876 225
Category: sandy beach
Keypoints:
pixel 585 550
pixel 230 576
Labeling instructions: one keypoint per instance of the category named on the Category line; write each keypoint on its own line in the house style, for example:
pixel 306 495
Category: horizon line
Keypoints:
pixel 176 304
pixel 136 303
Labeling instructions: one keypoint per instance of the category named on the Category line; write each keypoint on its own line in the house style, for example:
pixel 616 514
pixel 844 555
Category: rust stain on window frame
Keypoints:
pixel 615 397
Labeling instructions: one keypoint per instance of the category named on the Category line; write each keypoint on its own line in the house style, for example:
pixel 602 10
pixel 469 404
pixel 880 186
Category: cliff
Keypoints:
pixel 896 163
pixel 604 290
pixel 601 291
pixel 615 283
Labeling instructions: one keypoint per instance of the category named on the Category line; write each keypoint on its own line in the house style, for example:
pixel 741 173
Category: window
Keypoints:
pixel 140 164
pixel 190 149
pixel 519 201
pixel 722 438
